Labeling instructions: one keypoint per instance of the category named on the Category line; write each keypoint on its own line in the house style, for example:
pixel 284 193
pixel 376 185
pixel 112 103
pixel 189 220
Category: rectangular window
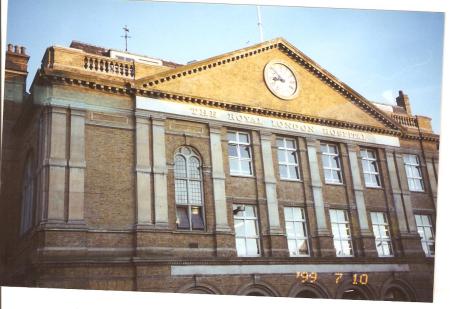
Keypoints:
pixel 380 227
pixel 425 229
pixel 413 172
pixel 246 230
pixel 340 226
pixel 370 168
pixel 296 231
pixel 239 153
pixel 331 163
pixel 287 159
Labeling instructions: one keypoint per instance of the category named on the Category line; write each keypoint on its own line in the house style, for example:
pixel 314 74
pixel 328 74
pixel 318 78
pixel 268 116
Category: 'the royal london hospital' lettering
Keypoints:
pixel 261 121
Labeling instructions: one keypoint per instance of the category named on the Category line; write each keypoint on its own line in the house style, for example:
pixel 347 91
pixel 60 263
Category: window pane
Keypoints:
pixel 335 230
pixel 195 192
pixel 328 175
pixel 290 143
pixel 180 166
pixel 298 229
pixel 245 151
pixel 243 138
pixel 182 218
pixel 283 171
pixel 197 218
pixel 347 248
pixel 323 148
pixel 234 165
pixel 297 213
pixel 238 210
pixel 180 191
pixel 387 250
pixel 232 136
pixel 303 247
pixel 281 156
pixel 240 247
pixel 250 228
pixel 293 172
pixel 290 229
pixel 292 158
pixel 194 168
pixel 333 216
pixel 288 213
pixel 332 149
pixel 367 179
pixel 336 176
pixel 335 162
pixel 337 246
pixel 239 227
pixel 232 150
pixel 292 245
pixel 280 143
pixel 428 233
pixel 365 165
pixel 252 247
pixel 249 211
pixel 418 220
pixel 246 167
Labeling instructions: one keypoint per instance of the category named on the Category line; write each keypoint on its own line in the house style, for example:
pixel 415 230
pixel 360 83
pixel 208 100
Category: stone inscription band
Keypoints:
pixel 190 270
pixel 259 121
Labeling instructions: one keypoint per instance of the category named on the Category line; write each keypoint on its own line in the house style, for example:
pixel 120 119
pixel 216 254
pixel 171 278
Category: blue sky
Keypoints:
pixel 375 52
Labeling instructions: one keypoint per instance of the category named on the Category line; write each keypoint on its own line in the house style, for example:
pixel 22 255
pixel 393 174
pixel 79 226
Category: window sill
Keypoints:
pixel 290 180
pixel 417 191
pixel 244 176
pixel 376 188
pixel 334 184
pixel 191 232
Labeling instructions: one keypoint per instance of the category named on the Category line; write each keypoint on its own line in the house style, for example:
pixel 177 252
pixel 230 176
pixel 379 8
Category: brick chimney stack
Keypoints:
pixel 16 72
pixel 403 101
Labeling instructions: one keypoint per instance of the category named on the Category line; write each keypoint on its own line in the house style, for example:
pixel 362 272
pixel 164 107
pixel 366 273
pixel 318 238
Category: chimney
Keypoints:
pixel 16 58
pixel 403 101
pixel 16 71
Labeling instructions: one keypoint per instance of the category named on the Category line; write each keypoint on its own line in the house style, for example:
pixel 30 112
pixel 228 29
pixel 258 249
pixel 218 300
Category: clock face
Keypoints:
pixel 281 80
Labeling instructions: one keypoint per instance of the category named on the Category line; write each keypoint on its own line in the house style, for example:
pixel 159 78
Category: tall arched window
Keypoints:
pixel 27 197
pixel 188 190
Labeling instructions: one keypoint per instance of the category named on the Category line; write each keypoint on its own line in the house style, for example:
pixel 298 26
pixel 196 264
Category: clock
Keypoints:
pixel 281 80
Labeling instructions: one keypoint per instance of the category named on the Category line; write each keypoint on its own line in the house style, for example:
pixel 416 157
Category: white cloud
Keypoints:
pixel 388 96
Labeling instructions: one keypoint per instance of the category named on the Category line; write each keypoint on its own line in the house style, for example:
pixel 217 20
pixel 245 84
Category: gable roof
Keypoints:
pixel 149 85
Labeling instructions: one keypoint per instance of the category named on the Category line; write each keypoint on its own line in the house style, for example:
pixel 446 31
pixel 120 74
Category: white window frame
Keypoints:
pixel 371 162
pixel 328 166
pixel 286 152
pixel 381 231
pixel 297 237
pixel 239 158
pixel 422 226
pixel 246 219
pixel 338 237
pixel 412 163
pixel 186 153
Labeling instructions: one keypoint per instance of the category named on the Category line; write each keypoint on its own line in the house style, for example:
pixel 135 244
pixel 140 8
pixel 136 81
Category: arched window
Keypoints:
pixel 27 197
pixel 188 190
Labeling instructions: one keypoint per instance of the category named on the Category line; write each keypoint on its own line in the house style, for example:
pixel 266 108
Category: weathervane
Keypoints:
pixel 126 36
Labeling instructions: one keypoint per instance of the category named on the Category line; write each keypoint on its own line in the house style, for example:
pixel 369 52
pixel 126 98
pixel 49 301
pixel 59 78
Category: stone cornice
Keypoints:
pixel 129 88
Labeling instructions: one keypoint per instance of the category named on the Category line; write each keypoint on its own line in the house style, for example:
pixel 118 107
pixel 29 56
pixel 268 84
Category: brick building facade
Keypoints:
pixel 256 172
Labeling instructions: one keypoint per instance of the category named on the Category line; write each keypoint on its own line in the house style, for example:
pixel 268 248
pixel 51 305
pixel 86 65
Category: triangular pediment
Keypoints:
pixel 238 78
